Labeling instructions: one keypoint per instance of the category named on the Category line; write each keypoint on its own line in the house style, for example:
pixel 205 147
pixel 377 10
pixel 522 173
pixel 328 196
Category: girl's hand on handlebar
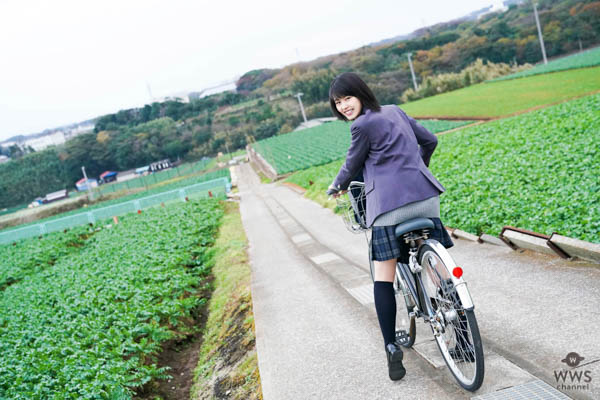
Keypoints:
pixel 334 191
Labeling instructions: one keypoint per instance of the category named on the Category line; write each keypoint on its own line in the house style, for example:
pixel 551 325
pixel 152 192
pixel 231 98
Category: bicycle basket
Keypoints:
pixel 353 207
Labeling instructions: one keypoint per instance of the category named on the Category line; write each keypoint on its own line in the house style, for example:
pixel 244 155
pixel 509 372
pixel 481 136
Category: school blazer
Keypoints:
pixel 393 152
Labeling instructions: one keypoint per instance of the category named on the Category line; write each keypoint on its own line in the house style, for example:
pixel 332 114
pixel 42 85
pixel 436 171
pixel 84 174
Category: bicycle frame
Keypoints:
pixel 411 274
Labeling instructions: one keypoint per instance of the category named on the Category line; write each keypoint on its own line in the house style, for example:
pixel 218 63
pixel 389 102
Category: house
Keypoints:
pixel 83 185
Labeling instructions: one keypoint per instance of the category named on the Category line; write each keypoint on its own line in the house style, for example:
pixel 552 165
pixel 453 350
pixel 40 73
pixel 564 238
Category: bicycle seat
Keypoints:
pixel 414 224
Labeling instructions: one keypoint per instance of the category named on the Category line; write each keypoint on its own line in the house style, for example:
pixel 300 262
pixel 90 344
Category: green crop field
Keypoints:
pixel 321 144
pixel 588 58
pixel 536 171
pixel 30 256
pixel 496 99
pixel 158 188
pixel 86 312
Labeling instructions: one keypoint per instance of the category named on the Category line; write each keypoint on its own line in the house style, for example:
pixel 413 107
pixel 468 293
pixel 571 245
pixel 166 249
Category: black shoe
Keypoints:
pixel 462 355
pixel 394 357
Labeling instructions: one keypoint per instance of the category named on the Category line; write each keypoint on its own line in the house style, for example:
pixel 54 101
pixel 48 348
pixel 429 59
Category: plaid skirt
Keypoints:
pixel 385 245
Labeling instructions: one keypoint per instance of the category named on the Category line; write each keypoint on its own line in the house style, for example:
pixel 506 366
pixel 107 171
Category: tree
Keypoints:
pixel 254 79
pixel 314 84
pixel 16 152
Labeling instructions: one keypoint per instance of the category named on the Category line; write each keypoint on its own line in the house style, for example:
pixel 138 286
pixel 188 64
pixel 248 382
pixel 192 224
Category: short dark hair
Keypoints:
pixel 350 84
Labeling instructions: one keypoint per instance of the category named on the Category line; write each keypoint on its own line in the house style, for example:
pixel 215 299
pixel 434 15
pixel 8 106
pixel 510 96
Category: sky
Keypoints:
pixel 65 61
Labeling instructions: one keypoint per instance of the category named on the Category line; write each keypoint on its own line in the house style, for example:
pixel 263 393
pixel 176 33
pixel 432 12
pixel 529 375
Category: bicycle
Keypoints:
pixel 433 289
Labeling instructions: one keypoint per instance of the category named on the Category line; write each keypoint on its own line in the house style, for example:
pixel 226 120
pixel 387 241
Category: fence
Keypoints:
pixel 216 187
pixel 144 181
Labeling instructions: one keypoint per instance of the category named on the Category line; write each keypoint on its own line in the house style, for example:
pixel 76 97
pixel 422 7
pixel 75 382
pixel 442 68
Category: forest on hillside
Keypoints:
pixel 264 104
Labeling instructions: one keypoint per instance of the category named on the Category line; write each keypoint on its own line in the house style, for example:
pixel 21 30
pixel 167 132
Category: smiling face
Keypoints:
pixel 349 106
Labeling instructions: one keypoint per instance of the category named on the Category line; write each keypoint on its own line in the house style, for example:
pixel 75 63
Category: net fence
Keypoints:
pixel 214 188
pixel 151 179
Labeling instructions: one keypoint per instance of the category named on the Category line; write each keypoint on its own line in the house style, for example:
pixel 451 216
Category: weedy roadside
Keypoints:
pixel 228 365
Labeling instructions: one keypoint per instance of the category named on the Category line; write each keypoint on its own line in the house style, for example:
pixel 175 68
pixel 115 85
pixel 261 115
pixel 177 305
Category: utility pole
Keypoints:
pixel 298 95
pixel 539 29
pixel 88 185
pixel 412 72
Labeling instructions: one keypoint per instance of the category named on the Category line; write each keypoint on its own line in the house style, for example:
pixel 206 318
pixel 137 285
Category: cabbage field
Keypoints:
pixel 83 314
pixel 538 171
pixel 320 145
pixel 588 58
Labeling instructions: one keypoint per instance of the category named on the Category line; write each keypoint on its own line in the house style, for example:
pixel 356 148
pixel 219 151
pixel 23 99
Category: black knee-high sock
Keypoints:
pixel 385 304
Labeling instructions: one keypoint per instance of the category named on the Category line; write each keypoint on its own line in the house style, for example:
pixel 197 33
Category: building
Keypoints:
pixel 53 137
pixel 40 143
pixel 82 185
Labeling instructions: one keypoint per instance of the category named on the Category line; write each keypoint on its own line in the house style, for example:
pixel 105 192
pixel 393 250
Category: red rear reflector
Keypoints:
pixel 457 272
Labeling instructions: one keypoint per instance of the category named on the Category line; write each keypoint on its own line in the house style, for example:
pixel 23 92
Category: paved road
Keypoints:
pixel 317 333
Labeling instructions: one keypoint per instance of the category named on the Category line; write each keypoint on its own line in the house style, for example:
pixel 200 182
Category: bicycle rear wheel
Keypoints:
pixel 454 327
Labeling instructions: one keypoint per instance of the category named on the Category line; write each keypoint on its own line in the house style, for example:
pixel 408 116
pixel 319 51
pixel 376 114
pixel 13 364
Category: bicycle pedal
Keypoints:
pixel 402 337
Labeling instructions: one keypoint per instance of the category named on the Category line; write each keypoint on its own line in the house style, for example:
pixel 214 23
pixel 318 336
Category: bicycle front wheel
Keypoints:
pixel 454 327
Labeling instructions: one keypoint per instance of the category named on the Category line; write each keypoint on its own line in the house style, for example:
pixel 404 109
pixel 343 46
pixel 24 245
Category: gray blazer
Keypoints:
pixel 393 150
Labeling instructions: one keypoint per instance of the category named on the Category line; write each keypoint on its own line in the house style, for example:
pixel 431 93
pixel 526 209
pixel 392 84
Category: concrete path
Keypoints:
pixel 317 333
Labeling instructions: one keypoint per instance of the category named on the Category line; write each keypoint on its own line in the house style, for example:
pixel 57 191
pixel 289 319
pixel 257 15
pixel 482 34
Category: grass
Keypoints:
pixel 587 58
pixel 230 323
pixel 504 98
pixel 316 180
pixel 261 175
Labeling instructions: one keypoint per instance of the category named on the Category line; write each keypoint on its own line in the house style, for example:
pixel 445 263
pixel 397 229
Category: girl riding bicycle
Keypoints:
pixel 391 151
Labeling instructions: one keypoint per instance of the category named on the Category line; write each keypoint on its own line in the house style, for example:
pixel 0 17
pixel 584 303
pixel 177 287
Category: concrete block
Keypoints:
pixel 234 178
pixel 464 235
pixel 528 241
pixel 577 248
pixel 485 238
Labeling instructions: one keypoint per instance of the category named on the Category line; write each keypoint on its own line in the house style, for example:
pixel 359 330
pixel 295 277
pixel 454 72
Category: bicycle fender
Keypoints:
pixel 459 284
